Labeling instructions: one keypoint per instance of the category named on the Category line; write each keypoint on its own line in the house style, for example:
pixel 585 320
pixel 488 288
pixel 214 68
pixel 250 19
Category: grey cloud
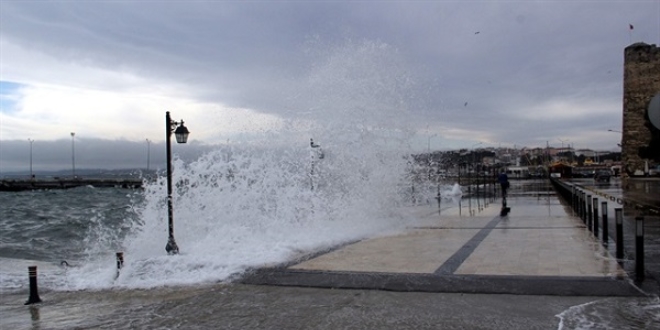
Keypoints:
pixel 263 55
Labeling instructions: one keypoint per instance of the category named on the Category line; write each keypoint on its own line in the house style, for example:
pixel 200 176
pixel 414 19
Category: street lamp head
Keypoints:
pixel 181 133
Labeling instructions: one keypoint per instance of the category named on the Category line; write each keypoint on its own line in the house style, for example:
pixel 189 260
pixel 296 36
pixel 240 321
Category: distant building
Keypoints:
pixel 640 141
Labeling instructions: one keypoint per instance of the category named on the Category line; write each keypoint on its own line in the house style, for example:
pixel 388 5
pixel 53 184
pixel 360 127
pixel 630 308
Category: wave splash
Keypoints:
pixel 271 199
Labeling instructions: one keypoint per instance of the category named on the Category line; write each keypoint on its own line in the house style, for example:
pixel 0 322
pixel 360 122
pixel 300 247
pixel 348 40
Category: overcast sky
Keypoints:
pixel 459 73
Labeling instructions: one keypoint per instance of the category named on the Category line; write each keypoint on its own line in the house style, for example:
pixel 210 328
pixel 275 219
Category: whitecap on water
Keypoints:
pixel 614 314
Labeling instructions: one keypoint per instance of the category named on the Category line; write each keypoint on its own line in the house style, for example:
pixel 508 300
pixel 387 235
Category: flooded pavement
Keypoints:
pixel 636 197
pixel 237 306
pixel 539 248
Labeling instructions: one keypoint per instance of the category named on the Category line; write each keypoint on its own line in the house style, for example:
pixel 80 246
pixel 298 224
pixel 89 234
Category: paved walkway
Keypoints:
pixel 539 248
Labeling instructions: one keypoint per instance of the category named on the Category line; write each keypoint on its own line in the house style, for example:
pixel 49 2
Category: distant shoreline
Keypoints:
pixel 56 183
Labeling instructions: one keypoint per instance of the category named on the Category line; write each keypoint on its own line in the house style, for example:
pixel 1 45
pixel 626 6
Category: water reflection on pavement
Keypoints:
pixel 236 306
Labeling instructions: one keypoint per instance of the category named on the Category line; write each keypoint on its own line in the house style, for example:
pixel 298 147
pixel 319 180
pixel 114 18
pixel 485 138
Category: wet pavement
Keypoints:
pixel 539 248
pixel 636 197
pixel 237 306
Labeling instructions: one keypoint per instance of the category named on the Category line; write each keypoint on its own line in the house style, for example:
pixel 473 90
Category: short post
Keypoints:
pixel 589 212
pixel 120 261
pixel 605 225
pixel 596 217
pixel 34 294
pixel 639 248
pixel 494 184
pixel 583 207
pixel 618 214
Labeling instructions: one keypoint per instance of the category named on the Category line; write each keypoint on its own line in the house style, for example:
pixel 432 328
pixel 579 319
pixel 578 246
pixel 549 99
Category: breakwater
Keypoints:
pixel 32 184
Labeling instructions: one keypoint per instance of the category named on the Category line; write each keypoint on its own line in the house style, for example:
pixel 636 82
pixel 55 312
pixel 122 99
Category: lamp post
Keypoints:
pixel 428 154
pixel 31 175
pixel 615 131
pixel 562 146
pixel 73 156
pixel 148 153
pixel 315 154
pixel 181 133
pixel 474 161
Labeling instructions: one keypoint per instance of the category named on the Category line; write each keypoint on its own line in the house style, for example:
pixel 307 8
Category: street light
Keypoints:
pixel 615 131
pixel 562 145
pixel 474 161
pixel 73 156
pixel 148 153
pixel 31 175
pixel 428 155
pixel 181 134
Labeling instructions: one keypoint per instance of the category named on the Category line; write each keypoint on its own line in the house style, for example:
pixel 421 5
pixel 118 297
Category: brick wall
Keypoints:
pixel 640 142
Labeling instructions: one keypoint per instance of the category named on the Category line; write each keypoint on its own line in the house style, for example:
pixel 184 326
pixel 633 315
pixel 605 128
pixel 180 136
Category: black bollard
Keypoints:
pixel 639 248
pixel 120 261
pixel 605 225
pixel 578 196
pixel 575 201
pixel 34 294
pixel 618 213
pixel 505 209
pixel 589 218
pixel 583 206
pixel 580 213
pixel 412 189
pixel 595 217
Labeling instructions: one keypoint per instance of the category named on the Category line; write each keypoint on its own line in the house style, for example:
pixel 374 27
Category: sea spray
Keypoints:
pixel 262 201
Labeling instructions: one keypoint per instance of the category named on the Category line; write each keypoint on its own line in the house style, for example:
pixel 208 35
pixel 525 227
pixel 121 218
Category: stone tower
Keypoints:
pixel 640 141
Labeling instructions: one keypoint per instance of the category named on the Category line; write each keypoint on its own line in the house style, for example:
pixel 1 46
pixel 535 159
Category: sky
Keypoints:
pixel 459 74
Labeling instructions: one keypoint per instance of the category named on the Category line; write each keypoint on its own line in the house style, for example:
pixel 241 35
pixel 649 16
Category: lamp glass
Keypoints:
pixel 181 134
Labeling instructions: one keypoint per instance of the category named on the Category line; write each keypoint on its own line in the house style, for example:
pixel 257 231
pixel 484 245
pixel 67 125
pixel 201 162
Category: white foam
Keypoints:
pixel 260 203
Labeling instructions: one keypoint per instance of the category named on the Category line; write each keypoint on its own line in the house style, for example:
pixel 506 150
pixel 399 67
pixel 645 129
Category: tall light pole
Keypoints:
pixel 31 141
pixel 181 133
pixel 148 153
pixel 615 131
pixel 473 156
pixel 428 155
pixel 73 156
pixel 315 154
pixel 562 145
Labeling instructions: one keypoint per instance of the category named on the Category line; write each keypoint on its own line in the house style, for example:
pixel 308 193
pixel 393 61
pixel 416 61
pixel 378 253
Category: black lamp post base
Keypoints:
pixel 171 246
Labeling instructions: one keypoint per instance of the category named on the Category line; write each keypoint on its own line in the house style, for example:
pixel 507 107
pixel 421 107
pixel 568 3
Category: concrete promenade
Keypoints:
pixel 540 248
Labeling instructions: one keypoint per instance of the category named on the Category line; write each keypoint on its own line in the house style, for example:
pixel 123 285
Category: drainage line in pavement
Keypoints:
pixel 455 261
